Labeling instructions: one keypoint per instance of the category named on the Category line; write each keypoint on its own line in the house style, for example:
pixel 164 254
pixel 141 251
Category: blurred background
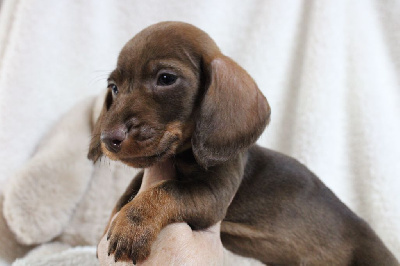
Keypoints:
pixel 330 70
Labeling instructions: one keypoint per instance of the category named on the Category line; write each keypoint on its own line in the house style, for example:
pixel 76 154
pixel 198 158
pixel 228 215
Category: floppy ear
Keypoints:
pixel 95 151
pixel 233 113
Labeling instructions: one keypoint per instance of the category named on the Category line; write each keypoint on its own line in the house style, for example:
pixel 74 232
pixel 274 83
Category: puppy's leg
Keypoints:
pixel 129 194
pixel 201 202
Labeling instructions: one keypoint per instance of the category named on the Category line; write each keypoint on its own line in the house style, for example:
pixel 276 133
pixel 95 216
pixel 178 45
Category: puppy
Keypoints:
pixel 174 96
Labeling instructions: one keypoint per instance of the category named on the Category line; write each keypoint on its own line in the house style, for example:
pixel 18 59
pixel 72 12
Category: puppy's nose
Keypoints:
pixel 113 138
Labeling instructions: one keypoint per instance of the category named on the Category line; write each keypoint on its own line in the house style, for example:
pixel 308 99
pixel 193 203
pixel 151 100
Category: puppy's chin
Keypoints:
pixel 136 161
pixel 143 162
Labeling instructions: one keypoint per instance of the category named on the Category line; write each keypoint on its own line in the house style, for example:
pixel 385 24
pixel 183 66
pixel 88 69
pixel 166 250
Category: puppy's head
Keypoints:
pixel 172 90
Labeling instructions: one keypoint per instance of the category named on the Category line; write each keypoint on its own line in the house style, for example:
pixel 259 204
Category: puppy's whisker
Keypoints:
pixel 102 79
pixel 101 75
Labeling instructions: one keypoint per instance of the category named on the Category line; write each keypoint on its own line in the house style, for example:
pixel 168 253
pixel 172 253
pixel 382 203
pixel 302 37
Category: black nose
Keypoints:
pixel 113 138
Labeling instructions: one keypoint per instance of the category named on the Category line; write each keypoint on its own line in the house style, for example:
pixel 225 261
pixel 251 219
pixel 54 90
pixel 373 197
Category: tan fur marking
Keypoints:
pixel 237 229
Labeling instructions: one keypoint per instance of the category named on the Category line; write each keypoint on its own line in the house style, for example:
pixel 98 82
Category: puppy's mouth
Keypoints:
pixel 141 152
pixel 146 161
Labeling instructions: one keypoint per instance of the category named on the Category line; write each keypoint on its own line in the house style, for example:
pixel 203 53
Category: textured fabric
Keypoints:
pixel 330 70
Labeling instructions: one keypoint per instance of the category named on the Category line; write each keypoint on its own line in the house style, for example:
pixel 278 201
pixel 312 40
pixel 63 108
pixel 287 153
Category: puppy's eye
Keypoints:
pixel 166 79
pixel 113 88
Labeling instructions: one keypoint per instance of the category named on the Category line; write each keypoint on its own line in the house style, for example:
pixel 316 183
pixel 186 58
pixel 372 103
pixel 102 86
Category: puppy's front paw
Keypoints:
pixel 131 236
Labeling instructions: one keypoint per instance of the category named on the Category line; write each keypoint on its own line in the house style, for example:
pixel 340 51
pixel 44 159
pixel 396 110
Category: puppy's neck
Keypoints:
pixel 157 173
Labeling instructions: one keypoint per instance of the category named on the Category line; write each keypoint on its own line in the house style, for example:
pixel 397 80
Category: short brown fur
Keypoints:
pixel 206 120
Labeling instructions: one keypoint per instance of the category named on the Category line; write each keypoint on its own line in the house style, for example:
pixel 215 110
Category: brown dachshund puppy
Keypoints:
pixel 175 96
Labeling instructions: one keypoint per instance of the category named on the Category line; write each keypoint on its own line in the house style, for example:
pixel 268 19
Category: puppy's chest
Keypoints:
pixel 187 167
pixel 187 172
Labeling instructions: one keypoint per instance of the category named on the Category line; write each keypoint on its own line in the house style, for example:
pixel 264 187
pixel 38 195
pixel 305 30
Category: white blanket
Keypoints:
pixel 330 70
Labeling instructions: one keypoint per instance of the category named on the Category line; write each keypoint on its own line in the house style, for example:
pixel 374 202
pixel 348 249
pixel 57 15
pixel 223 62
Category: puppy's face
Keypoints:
pixel 150 99
pixel 156 94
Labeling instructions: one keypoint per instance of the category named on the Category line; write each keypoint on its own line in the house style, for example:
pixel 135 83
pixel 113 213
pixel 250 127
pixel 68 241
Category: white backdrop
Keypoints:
pixel 330 70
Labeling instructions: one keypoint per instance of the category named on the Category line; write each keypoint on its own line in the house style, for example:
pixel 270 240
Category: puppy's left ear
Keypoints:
pixel 233 113
pixel 95 151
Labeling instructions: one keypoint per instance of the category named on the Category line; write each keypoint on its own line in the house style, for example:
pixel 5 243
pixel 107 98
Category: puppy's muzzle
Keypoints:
pixel 114 138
